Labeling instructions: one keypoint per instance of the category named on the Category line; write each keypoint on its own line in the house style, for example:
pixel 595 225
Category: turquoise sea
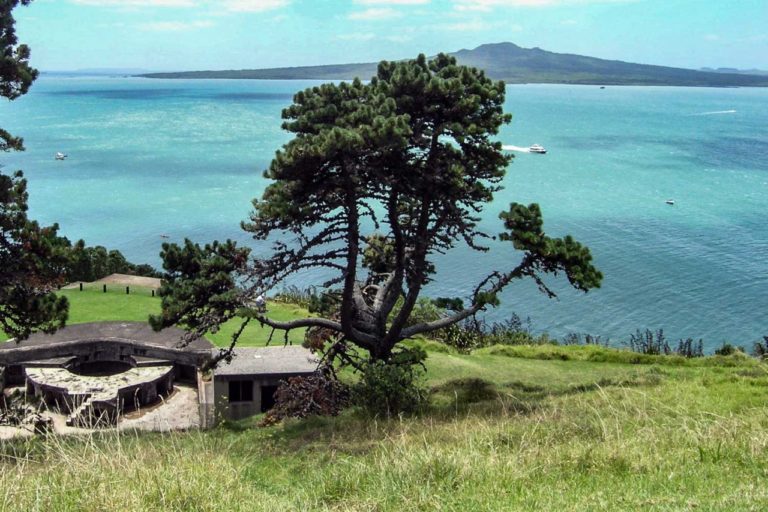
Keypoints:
pixel 184 158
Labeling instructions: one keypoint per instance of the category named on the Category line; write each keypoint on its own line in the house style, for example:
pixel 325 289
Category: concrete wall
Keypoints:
pixel 114 349
pixel 224 409
pixel 235 410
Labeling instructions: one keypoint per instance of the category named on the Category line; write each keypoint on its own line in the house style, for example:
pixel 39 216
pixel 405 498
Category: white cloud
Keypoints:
pixel 370 36
pixel 391 2
pixel 227 5
pixel 399 38
pixel 174 26
pixel 138 3
pixel 356 36
pixel 253 5
pixel 375 13
pixel 488 5
pixel 475 25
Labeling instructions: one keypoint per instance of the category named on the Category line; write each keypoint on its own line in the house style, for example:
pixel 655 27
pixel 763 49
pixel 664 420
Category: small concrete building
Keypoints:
pixel 246 386
pixel 96 371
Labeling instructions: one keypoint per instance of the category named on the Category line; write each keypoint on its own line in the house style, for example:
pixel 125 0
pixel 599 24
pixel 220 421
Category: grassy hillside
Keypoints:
pixel 507 429
pixel 93 305
pixel 514 65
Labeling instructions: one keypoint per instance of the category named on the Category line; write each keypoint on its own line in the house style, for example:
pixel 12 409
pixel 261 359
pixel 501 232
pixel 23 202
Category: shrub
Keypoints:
pixel 649 342
pixel 690 348
pixel 760 348
pixel 473 334
pixel 575 338
pixel 393 387
pixel 726 349
pixel 462 338
pixel 319 394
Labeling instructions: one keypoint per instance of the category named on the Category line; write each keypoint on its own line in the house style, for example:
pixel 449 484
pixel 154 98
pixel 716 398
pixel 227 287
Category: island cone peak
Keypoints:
pixel 513 64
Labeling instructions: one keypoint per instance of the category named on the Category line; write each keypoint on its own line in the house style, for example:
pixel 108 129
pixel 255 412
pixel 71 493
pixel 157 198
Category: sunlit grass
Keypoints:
pixel 648 440
pixel 92 305
pixel 509 428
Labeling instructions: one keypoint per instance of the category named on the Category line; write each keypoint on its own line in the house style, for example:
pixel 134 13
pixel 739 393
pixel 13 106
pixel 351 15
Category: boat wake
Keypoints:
pixel 507 147
pixel 715 112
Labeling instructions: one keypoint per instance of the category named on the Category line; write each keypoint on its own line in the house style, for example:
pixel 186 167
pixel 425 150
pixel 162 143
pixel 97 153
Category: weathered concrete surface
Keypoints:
pixel 99 388
pixel 120 338
pixel 268 362
pixel 176 412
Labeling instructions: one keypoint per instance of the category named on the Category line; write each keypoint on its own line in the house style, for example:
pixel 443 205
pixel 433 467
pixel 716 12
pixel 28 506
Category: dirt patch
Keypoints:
pixel 122 279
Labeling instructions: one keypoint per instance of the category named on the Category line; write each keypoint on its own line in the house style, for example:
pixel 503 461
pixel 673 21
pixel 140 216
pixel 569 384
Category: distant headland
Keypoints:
pixel 514 65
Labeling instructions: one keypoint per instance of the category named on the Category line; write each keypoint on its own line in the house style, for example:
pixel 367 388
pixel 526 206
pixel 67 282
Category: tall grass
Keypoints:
pixel 674 439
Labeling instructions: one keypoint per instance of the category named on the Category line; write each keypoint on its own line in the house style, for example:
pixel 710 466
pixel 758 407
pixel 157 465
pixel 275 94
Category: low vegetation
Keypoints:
pixel 507 427
pixel 86 263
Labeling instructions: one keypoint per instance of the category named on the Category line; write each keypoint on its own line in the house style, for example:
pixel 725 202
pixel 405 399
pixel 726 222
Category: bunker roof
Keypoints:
pixel 275 361
pixel 137 332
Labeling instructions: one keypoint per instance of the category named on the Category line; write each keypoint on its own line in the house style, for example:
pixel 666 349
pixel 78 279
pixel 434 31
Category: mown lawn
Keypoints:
pixel 530 429
pixel 94 306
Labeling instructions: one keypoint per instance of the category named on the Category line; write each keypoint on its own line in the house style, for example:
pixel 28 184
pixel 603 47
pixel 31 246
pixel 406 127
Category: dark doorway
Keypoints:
pixel 267 397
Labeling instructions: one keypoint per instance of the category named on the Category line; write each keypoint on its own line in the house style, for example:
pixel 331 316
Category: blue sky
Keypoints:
pixel 226 34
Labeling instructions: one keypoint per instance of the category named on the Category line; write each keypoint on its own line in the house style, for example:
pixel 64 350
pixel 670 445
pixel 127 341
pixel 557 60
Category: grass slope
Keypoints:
pixel 94 306
pixel 506 431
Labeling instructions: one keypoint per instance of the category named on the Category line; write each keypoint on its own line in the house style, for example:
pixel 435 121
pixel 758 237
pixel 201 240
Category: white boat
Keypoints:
pixel 60 156
pixel 537 148
pixel 670 201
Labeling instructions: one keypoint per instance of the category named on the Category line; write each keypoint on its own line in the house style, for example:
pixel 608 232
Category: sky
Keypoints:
pixel 170 35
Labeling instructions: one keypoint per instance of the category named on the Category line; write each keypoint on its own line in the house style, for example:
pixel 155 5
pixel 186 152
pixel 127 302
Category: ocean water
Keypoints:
pixel 184 159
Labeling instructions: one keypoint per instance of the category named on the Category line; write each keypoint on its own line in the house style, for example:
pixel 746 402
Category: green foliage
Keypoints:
pixel 390 388
pixel 760 348
pixel 726 349
pixel 412 154
pixel 463 339
pixel 690 348
pixel 199 288
pixel 649 342
pixel 449 303
pixel 92 263
pixel 16 75
pixel 379 254
pixel 524 226
pixel 31 256
pixel 474 333
pixel 575 338
pixel 425 310
pixel 602 354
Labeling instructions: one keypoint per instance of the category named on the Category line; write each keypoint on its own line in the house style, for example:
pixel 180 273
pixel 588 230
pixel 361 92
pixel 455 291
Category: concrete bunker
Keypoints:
pixel 94 373
pixel 247 385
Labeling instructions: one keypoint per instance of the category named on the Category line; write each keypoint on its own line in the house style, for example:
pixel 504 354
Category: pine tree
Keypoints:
pixel 32 257
pixel 378 178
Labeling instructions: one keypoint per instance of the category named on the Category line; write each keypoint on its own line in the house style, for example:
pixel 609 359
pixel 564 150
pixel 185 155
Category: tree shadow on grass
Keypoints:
pixel 479 397
pixel 353 432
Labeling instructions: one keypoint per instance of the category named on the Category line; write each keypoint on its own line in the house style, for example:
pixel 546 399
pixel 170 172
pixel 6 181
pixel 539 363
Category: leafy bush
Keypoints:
pixel 86 263
pixel 726 349
pixel 390 388
pixel 474 333
pixel 463 339
pixel 760 348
